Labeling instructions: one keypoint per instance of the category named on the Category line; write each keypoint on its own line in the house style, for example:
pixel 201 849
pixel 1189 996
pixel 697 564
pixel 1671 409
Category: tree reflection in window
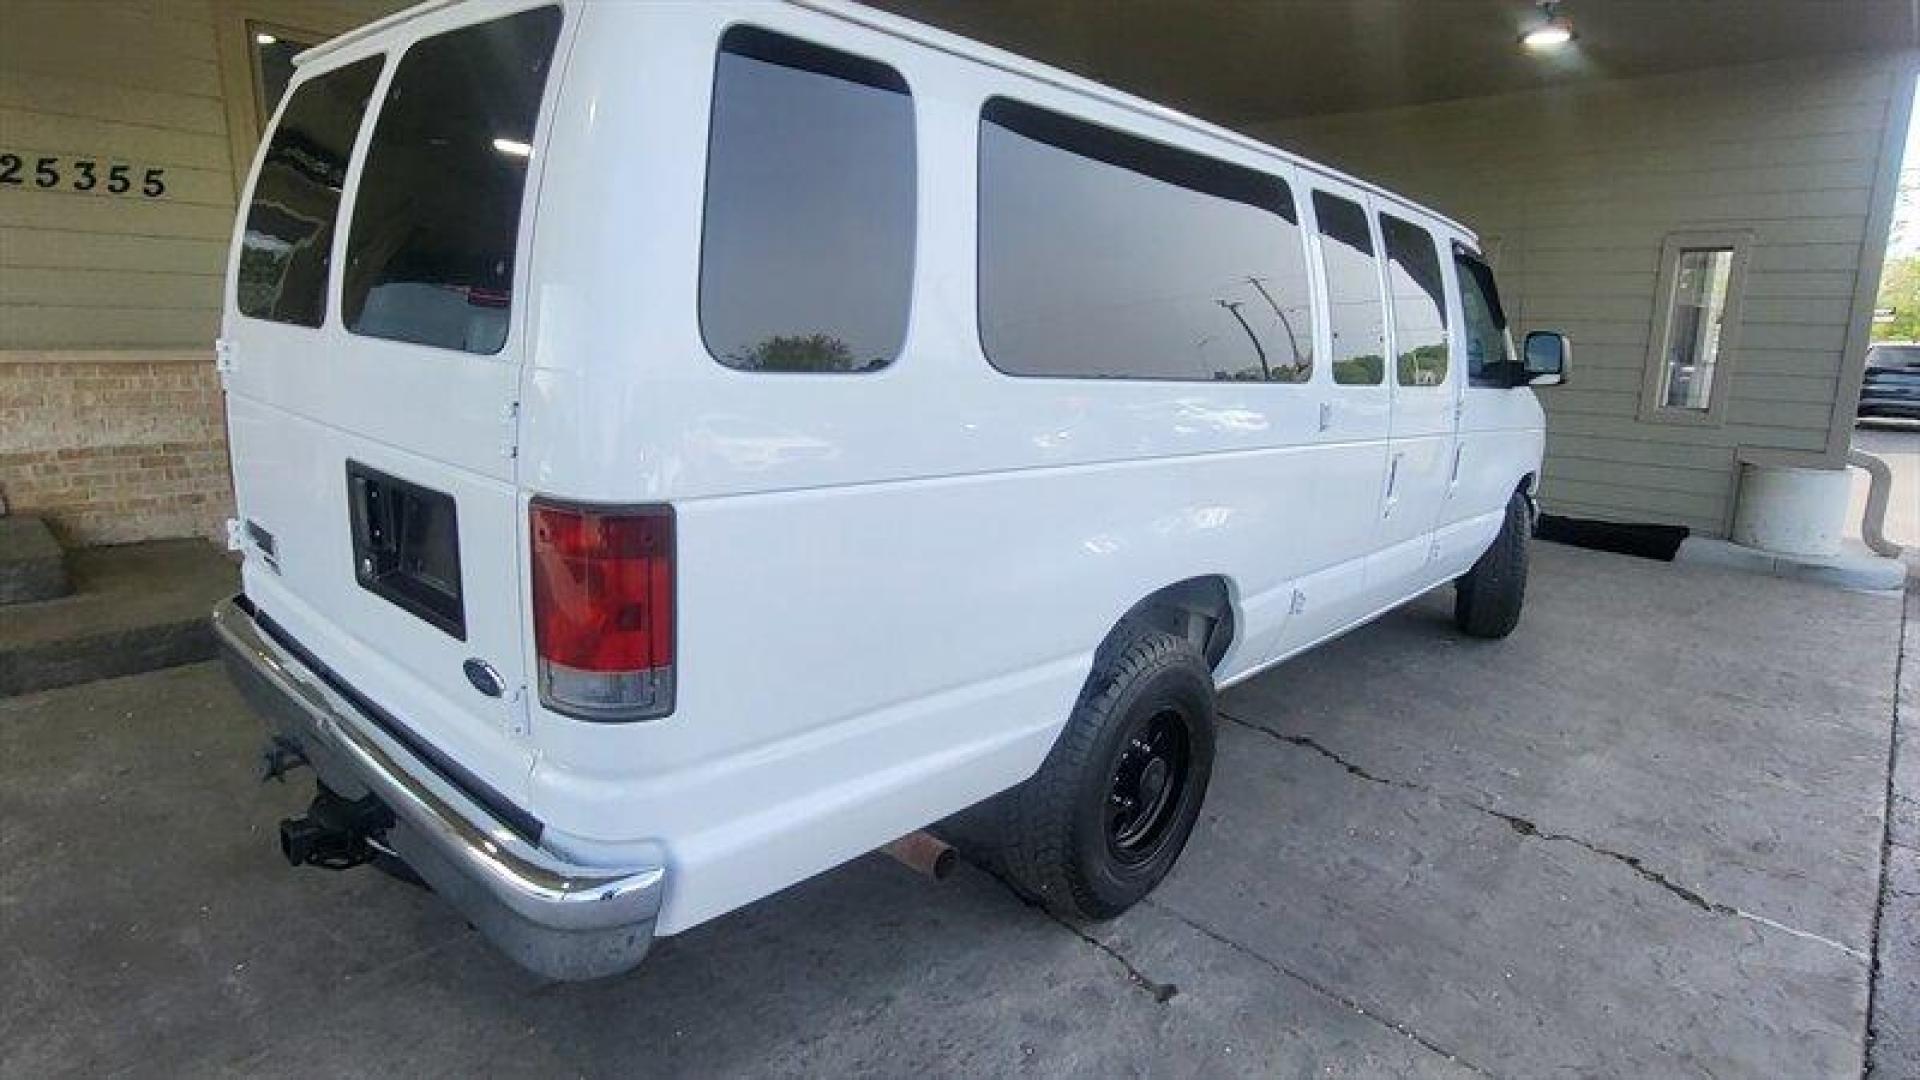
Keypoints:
pixel 806 257
pixel 1419 302
pixel 1353 291
pixel 813 353
pixel 1104 255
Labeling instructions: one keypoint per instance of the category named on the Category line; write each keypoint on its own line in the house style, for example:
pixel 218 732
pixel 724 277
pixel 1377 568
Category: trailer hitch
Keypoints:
pixel 335 833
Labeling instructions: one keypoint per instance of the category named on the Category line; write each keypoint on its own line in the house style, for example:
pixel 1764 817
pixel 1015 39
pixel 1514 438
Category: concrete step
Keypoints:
pixel 134 608
pixel 33 565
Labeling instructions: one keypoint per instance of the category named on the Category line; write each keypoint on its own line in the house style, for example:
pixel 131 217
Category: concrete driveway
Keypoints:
pixel 1643 837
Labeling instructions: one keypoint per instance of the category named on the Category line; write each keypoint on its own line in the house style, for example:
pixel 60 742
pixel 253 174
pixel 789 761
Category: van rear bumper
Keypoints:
pixel 556 918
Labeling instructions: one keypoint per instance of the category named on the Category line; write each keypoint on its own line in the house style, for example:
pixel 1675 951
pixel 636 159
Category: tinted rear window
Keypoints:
pixel 430 258
pixel 288 242
pixel 1104 255
pixel 806 259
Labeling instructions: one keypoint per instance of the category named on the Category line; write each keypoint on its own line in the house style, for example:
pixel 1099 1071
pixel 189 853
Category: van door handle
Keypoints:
pixel 1326 415
pixel 1393 484
pixel 1453 478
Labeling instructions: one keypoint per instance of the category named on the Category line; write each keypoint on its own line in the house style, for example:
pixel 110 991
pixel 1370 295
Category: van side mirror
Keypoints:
pixel 1545 359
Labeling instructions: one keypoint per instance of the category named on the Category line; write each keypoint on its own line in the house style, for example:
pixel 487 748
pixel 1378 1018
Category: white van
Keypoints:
pixel 681 447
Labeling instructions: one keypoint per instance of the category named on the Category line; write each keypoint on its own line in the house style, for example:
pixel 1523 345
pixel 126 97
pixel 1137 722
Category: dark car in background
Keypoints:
pixel 1892 385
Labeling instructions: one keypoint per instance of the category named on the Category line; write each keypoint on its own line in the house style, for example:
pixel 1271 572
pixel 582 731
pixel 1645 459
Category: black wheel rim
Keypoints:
pixel 1149 777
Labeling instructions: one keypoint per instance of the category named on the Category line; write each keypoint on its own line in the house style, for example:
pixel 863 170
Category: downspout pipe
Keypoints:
pixel 1873 523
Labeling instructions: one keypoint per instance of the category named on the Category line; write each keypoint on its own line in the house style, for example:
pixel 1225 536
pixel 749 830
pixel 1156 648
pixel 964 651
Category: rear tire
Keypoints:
pixel 1110 810
pixel 1487 600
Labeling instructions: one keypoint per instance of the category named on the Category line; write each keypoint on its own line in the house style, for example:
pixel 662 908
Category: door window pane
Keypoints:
pixel 1490 360
pixel 1419 303
pixel 1353 292
pixel 1103 255
pixel 1698 307
pixel 806 259
pixel 431 255
pixel 287 245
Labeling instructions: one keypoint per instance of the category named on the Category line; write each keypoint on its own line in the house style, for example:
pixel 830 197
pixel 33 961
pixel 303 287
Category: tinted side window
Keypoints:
pixel 806 260
pixel 1107 256
pixel 1489 350
pixel 1353 291
pixel 430 257
pixel 1419 303
pixel 288 243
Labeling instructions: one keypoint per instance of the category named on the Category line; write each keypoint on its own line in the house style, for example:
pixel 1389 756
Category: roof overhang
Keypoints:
pixel 1239 61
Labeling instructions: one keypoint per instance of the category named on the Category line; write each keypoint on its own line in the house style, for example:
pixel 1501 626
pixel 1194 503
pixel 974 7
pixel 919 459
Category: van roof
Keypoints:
pixel 372 29
pixel 967 48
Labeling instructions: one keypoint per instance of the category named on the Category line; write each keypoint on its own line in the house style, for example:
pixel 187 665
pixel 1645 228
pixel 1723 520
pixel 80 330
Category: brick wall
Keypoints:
pixel 115 447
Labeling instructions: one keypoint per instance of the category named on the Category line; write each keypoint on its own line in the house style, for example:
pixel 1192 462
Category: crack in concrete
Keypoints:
pixel 1159 991
pixel 1807 935
pixel 1164 992
pixel 1527 828
pixel 1875 970
pixel 1352 769
pixel 1317 987
pixel 1632 862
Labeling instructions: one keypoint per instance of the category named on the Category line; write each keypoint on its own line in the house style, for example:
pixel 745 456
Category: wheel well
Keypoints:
pixel 1529 489
pixel 1199 609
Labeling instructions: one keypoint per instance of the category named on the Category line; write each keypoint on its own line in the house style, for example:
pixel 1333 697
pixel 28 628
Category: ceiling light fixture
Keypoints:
pixel 514 147
pixel 1553 30
pixel 265 39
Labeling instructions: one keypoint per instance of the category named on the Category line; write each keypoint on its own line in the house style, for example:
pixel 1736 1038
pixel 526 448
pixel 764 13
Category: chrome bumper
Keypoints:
pixel 554 917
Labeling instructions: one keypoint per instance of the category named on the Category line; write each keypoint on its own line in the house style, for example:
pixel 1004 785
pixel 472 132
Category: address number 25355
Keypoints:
pixel 81 174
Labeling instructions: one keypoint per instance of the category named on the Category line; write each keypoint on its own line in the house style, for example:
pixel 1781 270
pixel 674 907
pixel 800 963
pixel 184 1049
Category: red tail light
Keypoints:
pixel 603 609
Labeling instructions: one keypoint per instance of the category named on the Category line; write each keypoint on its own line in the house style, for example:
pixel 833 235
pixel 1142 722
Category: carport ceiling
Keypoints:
pixel 1236 61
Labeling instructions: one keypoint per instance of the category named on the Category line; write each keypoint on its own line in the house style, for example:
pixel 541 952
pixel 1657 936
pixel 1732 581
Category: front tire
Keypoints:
pixel 1487 600
pixel 1110 810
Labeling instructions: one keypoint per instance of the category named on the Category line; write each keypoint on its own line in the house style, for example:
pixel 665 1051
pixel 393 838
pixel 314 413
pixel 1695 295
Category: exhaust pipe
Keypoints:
pixel 924 853
pixel 335 833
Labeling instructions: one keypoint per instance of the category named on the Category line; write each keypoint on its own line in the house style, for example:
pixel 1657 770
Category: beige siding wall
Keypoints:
pixel 134 83
pixel 153 84
pixel 1576 188
pixel 109 409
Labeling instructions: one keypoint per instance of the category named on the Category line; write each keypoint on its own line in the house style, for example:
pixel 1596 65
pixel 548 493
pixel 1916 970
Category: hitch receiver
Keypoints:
pixel 335 833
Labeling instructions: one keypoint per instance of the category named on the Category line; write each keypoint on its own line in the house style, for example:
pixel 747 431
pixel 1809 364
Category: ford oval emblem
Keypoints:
pixel 483 677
